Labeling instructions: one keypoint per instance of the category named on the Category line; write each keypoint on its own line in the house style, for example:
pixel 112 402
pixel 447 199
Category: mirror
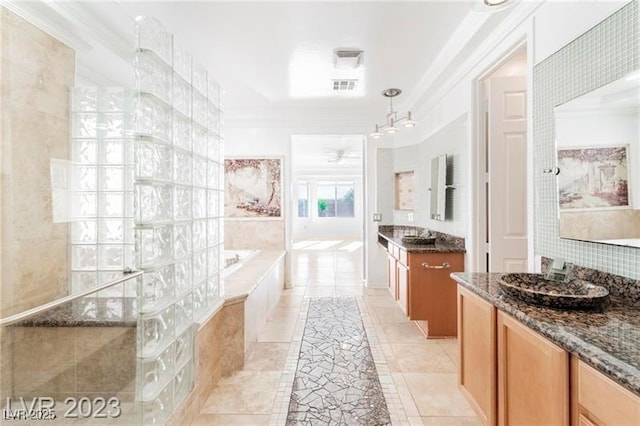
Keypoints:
pixel 438 187
pixel 598 157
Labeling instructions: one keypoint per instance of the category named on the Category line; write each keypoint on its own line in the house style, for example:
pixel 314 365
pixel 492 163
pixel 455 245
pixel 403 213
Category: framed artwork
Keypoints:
pixel 253 188
pixel 593 178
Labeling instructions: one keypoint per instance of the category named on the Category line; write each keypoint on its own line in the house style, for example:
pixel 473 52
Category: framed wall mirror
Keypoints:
pixel 598 157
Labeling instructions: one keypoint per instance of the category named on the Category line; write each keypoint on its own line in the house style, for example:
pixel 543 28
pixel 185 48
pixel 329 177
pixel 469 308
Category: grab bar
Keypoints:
pixel 128 275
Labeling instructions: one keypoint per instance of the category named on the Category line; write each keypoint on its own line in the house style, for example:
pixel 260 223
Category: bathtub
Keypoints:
pixel 236 259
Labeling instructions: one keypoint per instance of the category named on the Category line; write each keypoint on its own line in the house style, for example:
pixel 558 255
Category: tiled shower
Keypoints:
pixel 141 189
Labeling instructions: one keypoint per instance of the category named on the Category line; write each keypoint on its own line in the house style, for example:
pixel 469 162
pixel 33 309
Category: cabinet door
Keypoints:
pixel 598 401
pixel 392 276
pixel 533 377
pixel 432 291
pixel 477 354
pixel 403 287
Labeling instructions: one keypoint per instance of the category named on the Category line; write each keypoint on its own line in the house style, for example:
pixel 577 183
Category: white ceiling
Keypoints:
pixel 280 53
pixel 275 59
pixel 322 154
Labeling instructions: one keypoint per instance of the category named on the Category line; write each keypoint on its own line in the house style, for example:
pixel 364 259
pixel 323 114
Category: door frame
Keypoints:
pixel 293 206
pixel 478 158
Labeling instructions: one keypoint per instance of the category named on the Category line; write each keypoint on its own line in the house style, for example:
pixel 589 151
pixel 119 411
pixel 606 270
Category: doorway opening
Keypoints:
pixel 502 164
pixel 327 214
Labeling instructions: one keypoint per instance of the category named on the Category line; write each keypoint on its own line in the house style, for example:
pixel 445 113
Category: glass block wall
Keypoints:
pixel 101 214
pixel 178 225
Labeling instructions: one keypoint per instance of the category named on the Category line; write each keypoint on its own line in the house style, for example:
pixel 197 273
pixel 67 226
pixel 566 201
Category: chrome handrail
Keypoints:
pixel 128 275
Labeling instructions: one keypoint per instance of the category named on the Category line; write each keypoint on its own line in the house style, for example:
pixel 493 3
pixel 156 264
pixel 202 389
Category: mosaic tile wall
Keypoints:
pixel 603 54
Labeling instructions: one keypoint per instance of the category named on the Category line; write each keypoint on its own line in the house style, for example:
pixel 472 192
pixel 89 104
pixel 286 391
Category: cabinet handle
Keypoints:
pixel 445 265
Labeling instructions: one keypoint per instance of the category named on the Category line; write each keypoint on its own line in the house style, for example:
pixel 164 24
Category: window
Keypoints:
pixel 303 199
pixel 335 199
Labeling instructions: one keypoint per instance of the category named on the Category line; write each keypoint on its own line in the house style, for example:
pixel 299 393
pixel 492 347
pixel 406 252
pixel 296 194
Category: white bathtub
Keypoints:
pixel 236 259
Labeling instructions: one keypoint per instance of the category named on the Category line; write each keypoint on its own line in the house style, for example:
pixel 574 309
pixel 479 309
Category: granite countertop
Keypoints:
pixel 608 340
pixel 88 311
pixel 444 242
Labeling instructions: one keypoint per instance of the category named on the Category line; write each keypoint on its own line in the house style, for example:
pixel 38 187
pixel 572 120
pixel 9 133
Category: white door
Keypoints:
pixel 507 188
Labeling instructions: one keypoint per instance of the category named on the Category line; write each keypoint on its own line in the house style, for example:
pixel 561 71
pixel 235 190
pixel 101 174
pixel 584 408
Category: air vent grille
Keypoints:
pixel 344 85
pixel 347 59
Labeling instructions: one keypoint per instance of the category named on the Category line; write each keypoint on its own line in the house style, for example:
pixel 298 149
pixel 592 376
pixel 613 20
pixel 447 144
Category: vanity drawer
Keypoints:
pixel 600 400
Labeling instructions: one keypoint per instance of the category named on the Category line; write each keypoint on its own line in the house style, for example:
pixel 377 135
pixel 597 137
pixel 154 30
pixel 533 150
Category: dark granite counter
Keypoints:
pixel 608 340
pixel 88 311
pixel 444 243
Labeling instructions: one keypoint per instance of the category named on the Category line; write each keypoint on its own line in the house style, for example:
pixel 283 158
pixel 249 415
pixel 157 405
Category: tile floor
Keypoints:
pixel 418 376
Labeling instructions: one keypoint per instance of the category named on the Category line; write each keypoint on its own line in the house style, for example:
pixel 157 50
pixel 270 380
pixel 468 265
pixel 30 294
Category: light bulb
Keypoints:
pixel 376 134
pixel 409 122
pixel 494 2
pixel 391 128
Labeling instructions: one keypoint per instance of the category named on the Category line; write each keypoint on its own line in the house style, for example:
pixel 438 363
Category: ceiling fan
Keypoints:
pixel 339 156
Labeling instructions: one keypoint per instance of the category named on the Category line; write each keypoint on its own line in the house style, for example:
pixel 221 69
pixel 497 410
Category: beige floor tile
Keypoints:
pixel 294 291
pixel 231 419
pixel 450 346
pixel 320 292
pixel 437 395
pixel 451 421
pixel 389 314
pixel 348 291
pixel 321 283
pixel 292 300
pixel 385 301
pixel 284 313
pixel 426 357
pixel 244 392
pixel 377 292
pixel 402 333
pixel 277 331
pixel 266 356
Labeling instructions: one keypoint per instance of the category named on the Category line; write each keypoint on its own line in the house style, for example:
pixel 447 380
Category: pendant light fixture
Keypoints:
pixel 392 118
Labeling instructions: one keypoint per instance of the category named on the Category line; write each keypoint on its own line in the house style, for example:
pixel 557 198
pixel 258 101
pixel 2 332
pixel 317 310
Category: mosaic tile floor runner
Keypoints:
pixel 336 382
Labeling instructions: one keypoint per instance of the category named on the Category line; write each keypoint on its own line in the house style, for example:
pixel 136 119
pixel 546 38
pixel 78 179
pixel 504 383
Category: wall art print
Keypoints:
pixel 593 178
pixel 253 188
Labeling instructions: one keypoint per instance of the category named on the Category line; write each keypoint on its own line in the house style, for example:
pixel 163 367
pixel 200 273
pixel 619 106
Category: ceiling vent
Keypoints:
pixel 346 59
pixel 344 85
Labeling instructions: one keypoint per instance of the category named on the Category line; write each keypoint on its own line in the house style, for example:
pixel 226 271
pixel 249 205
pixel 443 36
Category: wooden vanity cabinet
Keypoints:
pixel 432 292
pixel 422 286
pixel 477 354
pixel 598 401
pixel 533 377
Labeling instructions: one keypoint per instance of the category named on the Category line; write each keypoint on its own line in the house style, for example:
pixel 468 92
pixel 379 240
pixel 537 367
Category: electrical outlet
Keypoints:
pixel 410 217
pixel 377 217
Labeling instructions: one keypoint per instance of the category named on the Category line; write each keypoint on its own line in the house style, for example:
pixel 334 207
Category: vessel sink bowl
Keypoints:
pixel 535 289
pixel 418 240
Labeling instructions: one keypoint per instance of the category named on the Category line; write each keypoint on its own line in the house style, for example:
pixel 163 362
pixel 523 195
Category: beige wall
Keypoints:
pixel 600 225
pixel 36 74
pixel 254 234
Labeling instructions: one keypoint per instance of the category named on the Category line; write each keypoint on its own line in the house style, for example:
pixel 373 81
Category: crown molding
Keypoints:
pixel 73 24
pixel 424 99
pixel 50 21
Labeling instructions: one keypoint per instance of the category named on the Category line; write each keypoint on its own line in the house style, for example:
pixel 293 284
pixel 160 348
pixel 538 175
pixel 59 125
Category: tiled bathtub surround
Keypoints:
pixel 605 53
pixel 336 381
pixel 608 340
